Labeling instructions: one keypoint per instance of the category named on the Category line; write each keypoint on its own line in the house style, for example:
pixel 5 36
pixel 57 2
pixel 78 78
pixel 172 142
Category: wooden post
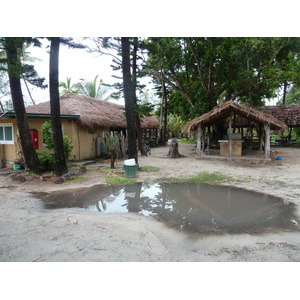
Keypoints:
pixel 203 139
pixel 229 135
pixel 208 137
pixel 199 132
pixel 259 137
pixel 267 141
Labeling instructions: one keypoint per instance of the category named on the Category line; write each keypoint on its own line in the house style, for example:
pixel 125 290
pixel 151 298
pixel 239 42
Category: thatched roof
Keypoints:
pixel 289 114
pixel 224 110
pixel 94 113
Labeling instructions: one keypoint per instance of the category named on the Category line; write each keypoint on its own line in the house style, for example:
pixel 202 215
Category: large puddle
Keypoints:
pixel 186 207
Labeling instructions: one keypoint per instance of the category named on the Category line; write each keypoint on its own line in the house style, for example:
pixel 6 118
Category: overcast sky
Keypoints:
pixel 74 63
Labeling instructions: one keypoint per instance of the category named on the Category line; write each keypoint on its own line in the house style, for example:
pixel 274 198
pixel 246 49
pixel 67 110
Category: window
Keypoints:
pixel 6 133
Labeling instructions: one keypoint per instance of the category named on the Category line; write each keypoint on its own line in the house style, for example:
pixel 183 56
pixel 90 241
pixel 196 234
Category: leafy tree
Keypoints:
pixel 4 89
pixel 202 72
pixel 95 89
pixel 15 71
pixel 292 96
pixel 112 47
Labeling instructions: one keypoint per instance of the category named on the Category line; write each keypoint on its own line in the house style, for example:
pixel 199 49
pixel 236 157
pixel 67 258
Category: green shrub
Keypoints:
pixel 48 138
pixel 47 160
pixel 151 141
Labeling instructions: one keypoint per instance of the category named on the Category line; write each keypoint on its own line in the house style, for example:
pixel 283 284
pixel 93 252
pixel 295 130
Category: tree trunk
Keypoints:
pixel 173 150
pixel 267 141
pixel 60 158
pixel 14 71
pixel 129 98
pixel 134 81
pixel 284 93
pixel 199 139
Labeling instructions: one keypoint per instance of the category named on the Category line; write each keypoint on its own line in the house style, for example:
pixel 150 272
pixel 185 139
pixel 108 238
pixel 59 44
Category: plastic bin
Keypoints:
pixel 130 171
pixel 17 167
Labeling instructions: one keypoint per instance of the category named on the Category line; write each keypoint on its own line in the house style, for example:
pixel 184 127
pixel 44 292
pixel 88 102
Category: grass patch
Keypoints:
pixel 76 178
pixel 92 169
pixel 149 169
pixel 210 178
pixel 116 180
pixel 187 141
pixel 202 177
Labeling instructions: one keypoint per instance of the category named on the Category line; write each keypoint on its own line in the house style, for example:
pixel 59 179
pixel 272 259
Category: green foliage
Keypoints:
pixel 67 87
pixel 48 138
pixel 47 160
pixel 175 124
pixel 112 146
pixel 95 89
pixel 188 141
pixel 202 72
pixel 112 142
pixel 151 142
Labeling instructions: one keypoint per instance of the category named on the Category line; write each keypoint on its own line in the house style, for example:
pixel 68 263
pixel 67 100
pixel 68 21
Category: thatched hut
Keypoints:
pixel 84 120
pixel 289 114
pixel 229 110
pixel 94 113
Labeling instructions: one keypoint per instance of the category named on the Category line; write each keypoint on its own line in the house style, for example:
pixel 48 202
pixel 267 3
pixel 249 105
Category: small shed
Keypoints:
pixel 229 110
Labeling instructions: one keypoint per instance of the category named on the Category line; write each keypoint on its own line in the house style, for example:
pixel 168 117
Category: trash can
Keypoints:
pixel 130 168
pixel 130 171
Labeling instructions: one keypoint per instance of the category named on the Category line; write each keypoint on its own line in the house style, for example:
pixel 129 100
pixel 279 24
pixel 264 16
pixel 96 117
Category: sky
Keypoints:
pixel 74 63
pixel 78 64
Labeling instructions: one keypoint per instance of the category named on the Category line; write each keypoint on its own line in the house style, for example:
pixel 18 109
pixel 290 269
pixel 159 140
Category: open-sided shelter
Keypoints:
pixel 84 119
pixel 228 110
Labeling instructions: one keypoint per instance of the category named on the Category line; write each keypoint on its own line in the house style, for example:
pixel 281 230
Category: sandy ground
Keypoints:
pixel 30 233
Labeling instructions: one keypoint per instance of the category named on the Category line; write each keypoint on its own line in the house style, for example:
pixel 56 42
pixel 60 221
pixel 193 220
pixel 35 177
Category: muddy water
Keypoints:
pixel 187 207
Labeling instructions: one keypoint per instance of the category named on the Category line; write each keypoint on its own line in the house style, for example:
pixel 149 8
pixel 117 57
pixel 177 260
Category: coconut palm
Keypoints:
pixel 95 89
pixel 67 87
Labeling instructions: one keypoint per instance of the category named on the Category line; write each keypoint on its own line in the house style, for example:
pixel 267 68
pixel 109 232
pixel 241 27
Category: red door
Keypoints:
pixel 35 138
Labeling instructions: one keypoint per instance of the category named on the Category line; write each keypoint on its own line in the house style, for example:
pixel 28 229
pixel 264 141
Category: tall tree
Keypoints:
pixel 15 69
pixel 205 71
pixel 60 159
pixel 96 89
pixel 129 98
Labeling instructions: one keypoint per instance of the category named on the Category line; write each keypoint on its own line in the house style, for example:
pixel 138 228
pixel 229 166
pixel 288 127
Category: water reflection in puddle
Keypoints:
pixel 187 207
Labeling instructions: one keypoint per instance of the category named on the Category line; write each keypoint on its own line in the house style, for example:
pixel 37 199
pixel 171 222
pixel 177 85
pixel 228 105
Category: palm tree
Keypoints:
pixel 15 67
pixel 95 89
pixel 67 87
pixel 60 159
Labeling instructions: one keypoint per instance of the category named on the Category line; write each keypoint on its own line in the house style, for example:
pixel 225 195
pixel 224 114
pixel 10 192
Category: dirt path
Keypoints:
pixel 28 232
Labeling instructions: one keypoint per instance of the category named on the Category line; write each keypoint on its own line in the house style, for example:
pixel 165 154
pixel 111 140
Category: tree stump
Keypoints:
pixel 173 150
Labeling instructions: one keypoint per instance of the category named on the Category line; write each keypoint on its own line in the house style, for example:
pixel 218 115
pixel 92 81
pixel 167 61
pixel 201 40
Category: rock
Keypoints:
pixel 59 180
pixel 20 178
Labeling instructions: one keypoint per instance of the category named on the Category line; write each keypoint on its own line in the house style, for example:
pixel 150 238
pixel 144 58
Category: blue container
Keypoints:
pixel 278 157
